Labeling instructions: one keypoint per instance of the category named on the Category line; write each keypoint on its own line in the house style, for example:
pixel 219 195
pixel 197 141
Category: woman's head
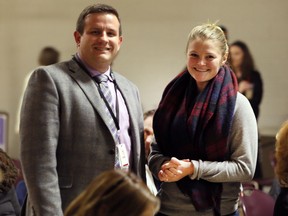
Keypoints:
pixel 281 154
pixel 112 193
pixel 209 32
pixel 241 58
pixel 206 51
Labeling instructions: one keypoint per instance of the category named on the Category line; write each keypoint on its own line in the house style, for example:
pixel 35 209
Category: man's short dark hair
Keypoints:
pixel 96 8
pixel 149 113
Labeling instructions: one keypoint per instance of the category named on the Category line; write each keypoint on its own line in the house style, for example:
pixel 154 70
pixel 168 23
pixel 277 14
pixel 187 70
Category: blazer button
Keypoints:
pixel 112 151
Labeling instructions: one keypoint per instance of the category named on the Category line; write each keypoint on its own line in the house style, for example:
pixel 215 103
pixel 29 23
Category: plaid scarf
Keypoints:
pixel 195 126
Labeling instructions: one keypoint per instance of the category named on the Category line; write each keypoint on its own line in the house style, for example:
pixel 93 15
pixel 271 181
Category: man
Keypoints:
pixel 152 183
pixel 148 130
pixel 67 127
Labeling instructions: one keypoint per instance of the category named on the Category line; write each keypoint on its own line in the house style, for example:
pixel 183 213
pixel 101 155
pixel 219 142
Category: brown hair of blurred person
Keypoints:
pixel 113 193
pixel 281 170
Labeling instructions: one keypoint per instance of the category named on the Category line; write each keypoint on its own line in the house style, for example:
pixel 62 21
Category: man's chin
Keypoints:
pixel 103 59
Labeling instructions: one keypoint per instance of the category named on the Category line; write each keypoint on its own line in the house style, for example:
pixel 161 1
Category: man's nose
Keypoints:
pixel 104 36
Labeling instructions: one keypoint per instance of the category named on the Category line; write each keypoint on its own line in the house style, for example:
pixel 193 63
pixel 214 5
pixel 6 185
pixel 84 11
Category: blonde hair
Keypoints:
pixel 114 193
pixel 209 31
pixel 281 154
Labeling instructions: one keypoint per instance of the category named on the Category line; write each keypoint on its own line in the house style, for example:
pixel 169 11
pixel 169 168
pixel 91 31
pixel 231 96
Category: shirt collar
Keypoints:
pixel 93 72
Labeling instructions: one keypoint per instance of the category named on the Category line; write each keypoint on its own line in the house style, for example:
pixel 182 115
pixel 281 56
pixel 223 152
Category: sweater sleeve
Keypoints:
pixel 243 147
pixel 156 159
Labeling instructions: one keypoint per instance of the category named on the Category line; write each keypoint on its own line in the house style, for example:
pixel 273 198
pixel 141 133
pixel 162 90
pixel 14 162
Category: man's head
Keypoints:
pixel 48 56
pixel 96 8
pixel 148 130
pixel 98 36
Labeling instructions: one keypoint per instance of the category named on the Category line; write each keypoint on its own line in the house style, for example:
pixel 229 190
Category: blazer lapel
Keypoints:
pixel 126 94
pixel 88 86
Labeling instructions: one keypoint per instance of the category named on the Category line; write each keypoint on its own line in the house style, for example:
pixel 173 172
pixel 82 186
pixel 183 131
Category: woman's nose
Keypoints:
pixel 202 62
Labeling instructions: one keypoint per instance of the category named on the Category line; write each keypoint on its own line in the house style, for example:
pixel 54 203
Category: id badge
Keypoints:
pixel 122 156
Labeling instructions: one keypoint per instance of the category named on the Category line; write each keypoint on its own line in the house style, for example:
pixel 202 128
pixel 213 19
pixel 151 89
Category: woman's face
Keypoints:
pixel 204 59
pixel 236 55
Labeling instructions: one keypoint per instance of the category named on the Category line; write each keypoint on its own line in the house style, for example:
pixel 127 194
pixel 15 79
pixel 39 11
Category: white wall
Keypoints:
pixel 155 33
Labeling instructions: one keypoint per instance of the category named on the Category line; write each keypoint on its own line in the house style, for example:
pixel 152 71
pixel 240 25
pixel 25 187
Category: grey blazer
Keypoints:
pixel 64 134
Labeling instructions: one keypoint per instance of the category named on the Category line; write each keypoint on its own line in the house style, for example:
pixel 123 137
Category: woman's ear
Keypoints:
pixel 224 59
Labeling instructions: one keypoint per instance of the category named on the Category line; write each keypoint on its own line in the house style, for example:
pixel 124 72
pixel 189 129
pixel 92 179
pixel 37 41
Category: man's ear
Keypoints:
pixel 77 38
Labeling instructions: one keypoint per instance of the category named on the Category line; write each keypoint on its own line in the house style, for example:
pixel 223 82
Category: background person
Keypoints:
pixel 281 170
pixel 249 79
pixel 225 30
pixel 206 133
pixel 250 84
pixel 114 193
pixel 8 174
pixel 66 126
pixel 47 56
pixel 152 183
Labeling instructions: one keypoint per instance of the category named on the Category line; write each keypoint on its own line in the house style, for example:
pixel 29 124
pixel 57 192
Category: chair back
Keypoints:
pixel 255 202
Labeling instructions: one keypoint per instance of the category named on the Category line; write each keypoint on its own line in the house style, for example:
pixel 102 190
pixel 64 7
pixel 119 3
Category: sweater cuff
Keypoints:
pixel 196 168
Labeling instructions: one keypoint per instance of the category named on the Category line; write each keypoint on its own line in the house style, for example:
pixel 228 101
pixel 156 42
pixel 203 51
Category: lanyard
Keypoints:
pixel 115 117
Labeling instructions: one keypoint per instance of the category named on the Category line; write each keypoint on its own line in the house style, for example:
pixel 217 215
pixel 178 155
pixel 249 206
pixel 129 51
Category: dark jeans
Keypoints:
pixel 236 213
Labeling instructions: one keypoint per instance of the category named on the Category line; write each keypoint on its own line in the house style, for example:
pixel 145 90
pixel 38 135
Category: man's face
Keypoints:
pixel 148 134
pixel 100 41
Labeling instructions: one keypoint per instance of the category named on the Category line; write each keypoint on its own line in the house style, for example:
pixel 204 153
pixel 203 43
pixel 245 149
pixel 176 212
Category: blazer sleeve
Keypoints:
pixel 39 131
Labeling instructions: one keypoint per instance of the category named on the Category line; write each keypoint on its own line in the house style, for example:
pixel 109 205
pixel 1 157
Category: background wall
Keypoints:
pixel 155 33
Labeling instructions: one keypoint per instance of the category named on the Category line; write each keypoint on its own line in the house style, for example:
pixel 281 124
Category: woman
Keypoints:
pixel 115 193
pixel 281 169
pixel 206 133
pixel 249 79
pixel 250 84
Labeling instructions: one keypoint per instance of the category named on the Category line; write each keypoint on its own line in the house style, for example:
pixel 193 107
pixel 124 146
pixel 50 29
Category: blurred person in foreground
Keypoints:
pixel 70 131
pixel 281 170
pixel 8 175
pixel 114 193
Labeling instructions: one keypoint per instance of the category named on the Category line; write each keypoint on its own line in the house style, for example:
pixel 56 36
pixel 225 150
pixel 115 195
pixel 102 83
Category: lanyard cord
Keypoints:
pixel 115 118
